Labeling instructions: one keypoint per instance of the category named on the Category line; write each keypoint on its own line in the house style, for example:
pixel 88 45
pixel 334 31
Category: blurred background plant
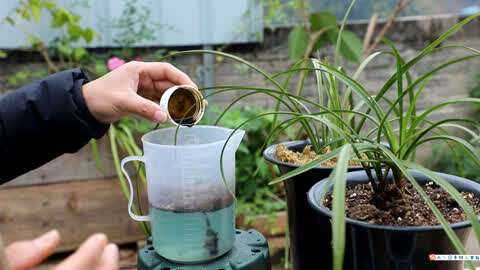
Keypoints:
pixel 66 46
pixel 132 27
pixel 453 159
pixel 311 31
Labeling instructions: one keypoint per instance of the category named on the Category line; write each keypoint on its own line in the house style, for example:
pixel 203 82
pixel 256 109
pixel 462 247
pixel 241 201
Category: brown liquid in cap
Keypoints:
pixel 182 107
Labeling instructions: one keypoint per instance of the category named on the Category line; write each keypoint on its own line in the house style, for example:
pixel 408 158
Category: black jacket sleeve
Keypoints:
pixel 43 120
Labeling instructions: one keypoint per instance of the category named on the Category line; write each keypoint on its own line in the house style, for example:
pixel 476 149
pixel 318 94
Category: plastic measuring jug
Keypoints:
pixel 192 213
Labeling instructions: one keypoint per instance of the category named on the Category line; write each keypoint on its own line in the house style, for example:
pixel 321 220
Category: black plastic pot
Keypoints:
pixel 379 247
pixel 310 234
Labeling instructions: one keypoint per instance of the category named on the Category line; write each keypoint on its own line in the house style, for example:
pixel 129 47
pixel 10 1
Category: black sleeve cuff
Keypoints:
pixel 97 129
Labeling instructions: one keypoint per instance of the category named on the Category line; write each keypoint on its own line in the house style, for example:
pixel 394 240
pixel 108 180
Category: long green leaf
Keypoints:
pixel 323 120
pixel 422 80
pixel 470 149
pixel 364 64
pixel 369 101
pixel 332 113
pixel 440 105
pixel 96 155
pixel 416 137
pixel 340 32
pixel 339 179
pixel 424 52
pixel 430 47
pixel 266 76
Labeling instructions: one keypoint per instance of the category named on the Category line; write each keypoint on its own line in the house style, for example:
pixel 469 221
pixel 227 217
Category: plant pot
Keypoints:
pixel 310 234
pixel 371 246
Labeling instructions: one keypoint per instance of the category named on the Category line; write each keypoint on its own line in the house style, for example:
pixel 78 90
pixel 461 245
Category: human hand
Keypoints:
pixel 132 89
pixel 94 253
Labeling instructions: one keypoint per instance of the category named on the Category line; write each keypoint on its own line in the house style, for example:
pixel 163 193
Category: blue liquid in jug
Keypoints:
pixel 193 236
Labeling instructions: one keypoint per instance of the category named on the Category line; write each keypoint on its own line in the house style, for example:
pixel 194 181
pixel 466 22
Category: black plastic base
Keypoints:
pixel 249 252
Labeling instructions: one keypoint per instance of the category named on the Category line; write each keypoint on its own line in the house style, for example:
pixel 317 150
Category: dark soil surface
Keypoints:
pixel 402 206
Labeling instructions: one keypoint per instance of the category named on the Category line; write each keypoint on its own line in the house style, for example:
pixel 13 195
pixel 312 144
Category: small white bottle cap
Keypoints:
pixel 190 112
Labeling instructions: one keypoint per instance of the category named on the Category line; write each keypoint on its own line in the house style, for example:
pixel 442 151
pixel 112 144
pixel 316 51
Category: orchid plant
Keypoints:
pixel 380 133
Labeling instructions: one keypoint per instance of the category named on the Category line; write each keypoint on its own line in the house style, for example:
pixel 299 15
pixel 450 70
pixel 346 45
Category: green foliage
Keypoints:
pixel 351 47
pixel 66 45
pixel 475 91
pixel 25 76
pixel 278 12
pixel 18 78
pixel 254 196
pixel 297 42
pixel 3 54
pixel 313 31
pixel 100 67
pixel 324 20
pixel 133 26
pixel 454 159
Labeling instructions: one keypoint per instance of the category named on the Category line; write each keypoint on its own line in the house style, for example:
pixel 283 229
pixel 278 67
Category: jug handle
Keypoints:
pixel 130 199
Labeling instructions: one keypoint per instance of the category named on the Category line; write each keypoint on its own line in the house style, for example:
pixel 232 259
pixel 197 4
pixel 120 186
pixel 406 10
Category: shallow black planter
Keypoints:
pixel 310 234
pixel 378 247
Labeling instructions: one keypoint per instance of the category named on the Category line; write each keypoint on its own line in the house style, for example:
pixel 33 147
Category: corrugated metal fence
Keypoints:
pixel 177 23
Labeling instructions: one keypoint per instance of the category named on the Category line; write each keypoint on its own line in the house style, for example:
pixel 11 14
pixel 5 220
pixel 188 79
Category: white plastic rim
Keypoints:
pixel 199 110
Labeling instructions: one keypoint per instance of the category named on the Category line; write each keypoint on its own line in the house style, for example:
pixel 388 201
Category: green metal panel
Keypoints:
pixel 177 23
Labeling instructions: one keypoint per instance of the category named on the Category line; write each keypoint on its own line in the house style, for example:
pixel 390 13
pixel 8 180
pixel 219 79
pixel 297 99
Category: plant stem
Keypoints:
pixel 401 4
pixel 370 30
pixel 311 45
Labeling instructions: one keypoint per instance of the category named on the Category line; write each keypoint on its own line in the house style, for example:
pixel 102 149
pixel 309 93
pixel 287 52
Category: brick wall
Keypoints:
pixel 410 37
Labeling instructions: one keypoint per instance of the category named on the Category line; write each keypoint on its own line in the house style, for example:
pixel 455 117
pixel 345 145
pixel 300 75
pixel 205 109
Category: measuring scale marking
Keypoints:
pixel 194 174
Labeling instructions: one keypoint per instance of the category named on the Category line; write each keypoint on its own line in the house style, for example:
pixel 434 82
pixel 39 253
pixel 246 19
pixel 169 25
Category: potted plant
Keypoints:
pixel 409 211
pixel 337 131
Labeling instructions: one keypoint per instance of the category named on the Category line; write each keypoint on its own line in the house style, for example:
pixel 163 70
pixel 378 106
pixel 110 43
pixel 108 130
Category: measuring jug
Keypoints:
pixel 192 212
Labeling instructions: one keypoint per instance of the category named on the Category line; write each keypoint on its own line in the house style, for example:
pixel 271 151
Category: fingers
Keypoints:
pixel 87 256
pixel 163 85
pixel 160 71
pixel 145 108
pixel 109 259
pixel 27 254
pixel 155 90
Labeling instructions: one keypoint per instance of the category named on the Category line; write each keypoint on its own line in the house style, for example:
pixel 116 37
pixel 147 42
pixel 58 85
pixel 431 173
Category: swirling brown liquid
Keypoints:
pixel 182 107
